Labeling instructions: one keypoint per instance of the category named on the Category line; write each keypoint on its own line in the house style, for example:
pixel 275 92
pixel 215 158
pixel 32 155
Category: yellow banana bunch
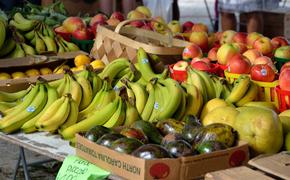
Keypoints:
pixel 241 86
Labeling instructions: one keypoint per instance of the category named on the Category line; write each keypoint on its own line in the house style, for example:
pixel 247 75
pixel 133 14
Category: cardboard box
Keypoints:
pixel 263 167
pixel 131 167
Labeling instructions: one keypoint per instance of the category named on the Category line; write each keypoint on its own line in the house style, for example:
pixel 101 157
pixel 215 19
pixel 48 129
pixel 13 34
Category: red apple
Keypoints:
pixel 239 64
pixel 242 47
pixel 72 24
pixel 252 55
pixel 286 65
pixel 180 66
pixel 265 60
pixel 212 54
pixel 174 26
pixel 283 52
pixel 137 24
pixel 264 45
pixel 201 65
pixel 227 36
pixel 158 24
pixel 262 72
pixel 113 21
pixel 60 29
pixel 218 35
pixel 279 41
pixel 199 27
pixel 252 37
pixel 187 26
pixel 284 79
pixel 191 51
pixel 200 38
pixel 240 37
pixel 98 19
pixel 204 59
pixel 82 34
pixel 118 15
pixel 212 40
pixel 135 15
pixel 226 52
pixel 147 26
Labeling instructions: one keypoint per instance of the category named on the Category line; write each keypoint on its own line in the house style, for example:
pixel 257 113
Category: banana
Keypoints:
pixel 118 118
pixel 49 43
pixel 22 20
pixel 87 92
pixel 75 90
pixel 145 67
pixel 96 83
pixel 226 89
pixel 146 113
pixel 56 83
pixel 159 102
pixel 194 100
pixel 10 97
pixel 8 47
pixel 62 86
pixel 119 84
pixel 52 96
pixel 141 95
pixel 173 95
pixel 240 88
pixel 7 105
pixel 195 79
pixel 29 35
pixel 250 95
pixel 2 33
pixel 98 117
pixel 180 112
pixel 38 102
pixel 61 49
pixel 217 86
pixel 132 114
pixel 123 73
pixel 18 52
pixel 112 69
pixel 22 26
pixel 210 90
pixel 39 44
pixel 28 49
pixel 50 111
pixel 67 87
pixel 60 116
pixel 72 117
pixel 33 41
pixel 70 46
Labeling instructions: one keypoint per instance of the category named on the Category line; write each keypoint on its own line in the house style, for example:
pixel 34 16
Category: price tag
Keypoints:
pixel 75 168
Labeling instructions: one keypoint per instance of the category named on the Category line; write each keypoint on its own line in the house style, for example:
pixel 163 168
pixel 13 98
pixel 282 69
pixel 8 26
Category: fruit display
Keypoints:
pixel 23 37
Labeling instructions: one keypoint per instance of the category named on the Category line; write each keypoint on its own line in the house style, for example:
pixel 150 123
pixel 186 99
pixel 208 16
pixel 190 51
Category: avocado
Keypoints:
pixel 134 133
pixel 151 151
pixel 209 146
pixel 108 139
pixel 171 137
pixel 149 130
pixel 96 132
pixel 126 145
pixel 191 120
pixel 217 132
pixel 179 148
pixel 189 133
pixel 168 126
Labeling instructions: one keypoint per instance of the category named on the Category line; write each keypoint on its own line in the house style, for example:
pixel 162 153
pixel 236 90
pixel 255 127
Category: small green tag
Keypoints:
pixel 75 168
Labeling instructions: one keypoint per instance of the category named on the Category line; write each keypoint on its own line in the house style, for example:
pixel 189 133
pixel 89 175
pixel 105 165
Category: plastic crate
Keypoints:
pixel 84 45
pixel 283 99
pixel 280 62
pixel 267 91
pixel 177 75
pixel 231 77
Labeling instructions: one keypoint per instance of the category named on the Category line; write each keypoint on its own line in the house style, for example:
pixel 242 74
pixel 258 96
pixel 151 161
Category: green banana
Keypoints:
pixel 22 26
pixel 132 114
pixel 7 105
pixel 145 115
pixel 112 69
pixel 29 35
pixel 38 102
pixel 98 117
pixel 8 47
pixel 18 52
pixel 52 96
pixel 141 95
pixel 49 43
pixel 39 44
pixel 11 97
pixel 2 33
pixel 72 117
pixel 28 49
pixel 70 46
pixel 117 119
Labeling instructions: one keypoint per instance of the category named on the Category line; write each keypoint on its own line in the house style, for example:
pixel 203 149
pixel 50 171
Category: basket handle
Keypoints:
pixel 123 23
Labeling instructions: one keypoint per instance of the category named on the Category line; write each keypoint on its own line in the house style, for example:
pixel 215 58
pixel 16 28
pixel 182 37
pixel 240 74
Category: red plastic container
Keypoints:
pixel 283 99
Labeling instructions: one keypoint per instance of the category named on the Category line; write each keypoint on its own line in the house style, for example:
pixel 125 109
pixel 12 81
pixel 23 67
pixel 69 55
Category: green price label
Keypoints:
pixel 75 168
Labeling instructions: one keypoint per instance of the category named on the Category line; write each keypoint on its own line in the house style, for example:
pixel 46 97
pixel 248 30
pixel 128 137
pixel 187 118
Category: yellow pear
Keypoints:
pixel 45 70
pixel 18 74
pixel 224 114
pixel 32 72
pixel 285 113
pixel 264 104
pixel 211 105
pixel 4 76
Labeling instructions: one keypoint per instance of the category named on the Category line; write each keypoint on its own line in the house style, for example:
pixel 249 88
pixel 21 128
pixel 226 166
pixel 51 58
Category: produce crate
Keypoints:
pixel 267 91
pixel 283 99
pixel 231 77
pixel 177 75
pixel 131 167
pixel 264 167
pixel 277 22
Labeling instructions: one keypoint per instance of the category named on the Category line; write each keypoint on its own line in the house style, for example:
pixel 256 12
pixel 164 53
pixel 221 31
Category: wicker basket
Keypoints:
pixel 124 41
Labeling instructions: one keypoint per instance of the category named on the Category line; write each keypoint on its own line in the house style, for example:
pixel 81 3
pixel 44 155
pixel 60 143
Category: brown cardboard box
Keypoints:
pixel 263 167
pixel 134 168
